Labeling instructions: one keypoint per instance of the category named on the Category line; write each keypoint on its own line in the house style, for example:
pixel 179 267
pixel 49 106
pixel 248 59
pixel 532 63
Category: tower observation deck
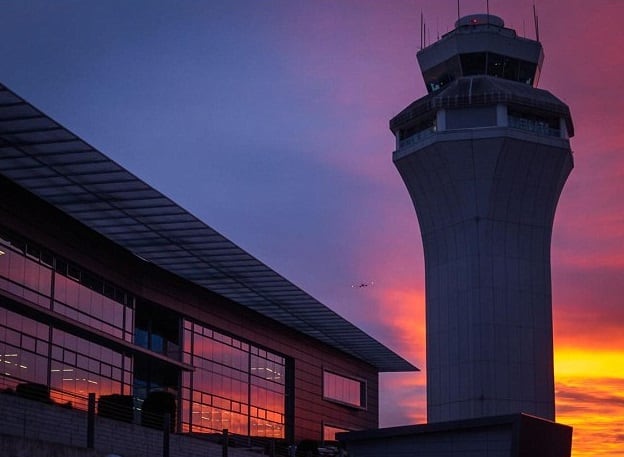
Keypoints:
pixel 485 155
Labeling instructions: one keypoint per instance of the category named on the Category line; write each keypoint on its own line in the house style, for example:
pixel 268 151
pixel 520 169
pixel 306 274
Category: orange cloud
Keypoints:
pixel 407 318
pixel 403 396
pixel 402 399
pixel 590 397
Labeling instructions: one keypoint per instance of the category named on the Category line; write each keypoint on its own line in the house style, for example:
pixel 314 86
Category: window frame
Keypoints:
pixel 363 405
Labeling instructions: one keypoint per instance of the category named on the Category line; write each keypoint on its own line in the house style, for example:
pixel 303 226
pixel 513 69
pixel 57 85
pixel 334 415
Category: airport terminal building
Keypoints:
pixel 109 287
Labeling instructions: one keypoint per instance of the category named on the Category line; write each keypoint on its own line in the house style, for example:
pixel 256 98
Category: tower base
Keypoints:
pixel 516 435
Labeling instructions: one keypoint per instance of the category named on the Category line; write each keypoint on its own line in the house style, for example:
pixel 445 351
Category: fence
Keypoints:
pixel 114 425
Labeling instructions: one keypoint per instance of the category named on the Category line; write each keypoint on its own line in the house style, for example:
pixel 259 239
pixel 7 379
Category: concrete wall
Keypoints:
pixel 486 200
pixel 500 436
pixel 473 443
pixel 31 428
pixel 13 446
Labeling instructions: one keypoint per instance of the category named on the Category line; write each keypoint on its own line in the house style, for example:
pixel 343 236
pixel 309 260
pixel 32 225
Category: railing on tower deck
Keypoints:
pixel 531 125
pixel 417 137
pixel 434 103
pixel 534 126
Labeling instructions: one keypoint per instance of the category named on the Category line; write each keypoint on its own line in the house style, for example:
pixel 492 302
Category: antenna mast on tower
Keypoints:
pixel 536 22
pixel 421 30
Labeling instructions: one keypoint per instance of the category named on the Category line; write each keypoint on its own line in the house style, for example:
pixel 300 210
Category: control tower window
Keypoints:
pixel 502 66
pixel 480 63
pixel 489 63
pixel 527 72
pixel 473 63
pixel 439 76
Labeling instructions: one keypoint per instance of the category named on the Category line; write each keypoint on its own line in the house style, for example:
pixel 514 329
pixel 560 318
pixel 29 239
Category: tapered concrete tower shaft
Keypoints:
pixel 485 156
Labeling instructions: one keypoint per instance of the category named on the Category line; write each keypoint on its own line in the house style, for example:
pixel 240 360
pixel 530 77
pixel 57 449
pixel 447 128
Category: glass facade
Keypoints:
pixel 34 352
pixel 51 282
pixel 344 390
pixel 24 347
pixel 80 366
pixel 89 306
pixel 158 329
pixel 25 274
pixel 235 385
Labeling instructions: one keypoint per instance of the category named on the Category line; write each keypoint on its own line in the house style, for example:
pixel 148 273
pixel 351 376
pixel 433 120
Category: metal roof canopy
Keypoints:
pixel 51 162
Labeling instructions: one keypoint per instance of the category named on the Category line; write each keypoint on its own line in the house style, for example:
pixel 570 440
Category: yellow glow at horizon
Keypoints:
pixel 589 363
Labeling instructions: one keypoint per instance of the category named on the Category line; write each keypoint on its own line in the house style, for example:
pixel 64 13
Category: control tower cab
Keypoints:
pixel 481 45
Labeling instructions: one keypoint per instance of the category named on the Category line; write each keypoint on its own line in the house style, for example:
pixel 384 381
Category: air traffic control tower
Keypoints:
pixel 484 156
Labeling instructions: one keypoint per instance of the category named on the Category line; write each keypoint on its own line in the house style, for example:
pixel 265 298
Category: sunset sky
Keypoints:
pixel 269 121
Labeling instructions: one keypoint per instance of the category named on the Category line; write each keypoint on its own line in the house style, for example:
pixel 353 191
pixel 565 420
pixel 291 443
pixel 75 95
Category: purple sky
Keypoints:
pixel 269 121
